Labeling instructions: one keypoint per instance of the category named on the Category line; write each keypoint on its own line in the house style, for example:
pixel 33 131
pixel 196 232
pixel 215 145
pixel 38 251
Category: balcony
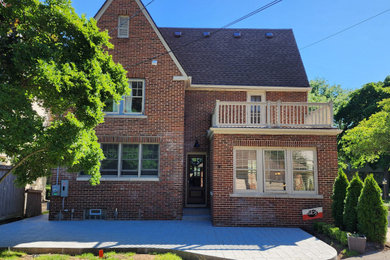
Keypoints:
pixel 272 115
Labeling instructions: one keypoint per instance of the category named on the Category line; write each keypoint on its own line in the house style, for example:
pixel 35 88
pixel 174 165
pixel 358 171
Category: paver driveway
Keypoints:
pixel 193 236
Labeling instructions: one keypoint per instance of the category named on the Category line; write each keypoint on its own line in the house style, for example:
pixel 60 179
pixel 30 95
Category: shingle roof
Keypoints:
pixel 251 60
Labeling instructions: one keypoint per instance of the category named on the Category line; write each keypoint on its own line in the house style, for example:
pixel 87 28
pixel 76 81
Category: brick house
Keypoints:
pixel 216 120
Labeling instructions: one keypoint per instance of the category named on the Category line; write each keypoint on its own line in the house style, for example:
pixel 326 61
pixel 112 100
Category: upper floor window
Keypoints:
pixel 123 26
pixel 129 105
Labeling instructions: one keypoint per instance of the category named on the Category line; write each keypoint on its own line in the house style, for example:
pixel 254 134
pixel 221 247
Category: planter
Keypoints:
pixel 357 243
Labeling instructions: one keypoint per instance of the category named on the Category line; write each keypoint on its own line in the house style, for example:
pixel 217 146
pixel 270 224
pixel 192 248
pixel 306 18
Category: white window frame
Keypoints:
pixel 249 94
pixel 119 176
pixel 143 98
pixel 289 171
pixel 122 25
pixel 121 104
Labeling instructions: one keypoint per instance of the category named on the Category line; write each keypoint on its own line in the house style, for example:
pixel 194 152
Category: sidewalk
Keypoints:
pixel 198 237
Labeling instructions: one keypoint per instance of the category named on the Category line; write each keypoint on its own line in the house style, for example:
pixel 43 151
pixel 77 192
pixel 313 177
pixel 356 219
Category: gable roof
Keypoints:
pixel 251 60
pixel 145 12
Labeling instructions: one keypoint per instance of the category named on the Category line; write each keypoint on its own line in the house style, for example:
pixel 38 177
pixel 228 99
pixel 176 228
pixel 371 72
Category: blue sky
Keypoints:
pixel 351 59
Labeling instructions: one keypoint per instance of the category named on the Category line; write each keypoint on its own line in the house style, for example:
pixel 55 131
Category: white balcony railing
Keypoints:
pixel 273 114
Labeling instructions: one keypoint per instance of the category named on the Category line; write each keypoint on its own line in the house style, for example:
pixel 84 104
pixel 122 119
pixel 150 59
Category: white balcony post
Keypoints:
pixel 278 111
pixel 331 113
pixel 216 112
pixel 268 114
pixel 248 114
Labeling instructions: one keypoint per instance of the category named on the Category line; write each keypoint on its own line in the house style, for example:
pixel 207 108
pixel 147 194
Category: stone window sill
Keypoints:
pixel 82 178
pixel 126 116
pixel 277 195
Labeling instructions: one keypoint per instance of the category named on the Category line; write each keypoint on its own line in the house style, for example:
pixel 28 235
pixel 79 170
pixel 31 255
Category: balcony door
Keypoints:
pixel 196 180
pixel 257 112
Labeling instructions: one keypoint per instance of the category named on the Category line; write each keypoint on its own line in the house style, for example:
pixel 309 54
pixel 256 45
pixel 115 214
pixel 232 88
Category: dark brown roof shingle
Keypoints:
pixel 251 60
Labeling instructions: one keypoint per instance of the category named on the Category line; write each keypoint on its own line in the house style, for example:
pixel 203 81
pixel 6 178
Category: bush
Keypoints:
pixel 371 212
pixel 332 231
pixel 339 191
pixel 351 200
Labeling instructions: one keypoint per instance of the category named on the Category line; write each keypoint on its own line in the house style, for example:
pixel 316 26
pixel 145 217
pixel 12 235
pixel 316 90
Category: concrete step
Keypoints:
pixel 196 214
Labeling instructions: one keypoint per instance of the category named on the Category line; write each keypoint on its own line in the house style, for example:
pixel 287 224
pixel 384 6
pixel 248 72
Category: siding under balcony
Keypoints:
pixel 272 115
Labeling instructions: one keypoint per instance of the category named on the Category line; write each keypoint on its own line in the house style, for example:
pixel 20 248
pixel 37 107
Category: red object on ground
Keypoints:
pixel 101 253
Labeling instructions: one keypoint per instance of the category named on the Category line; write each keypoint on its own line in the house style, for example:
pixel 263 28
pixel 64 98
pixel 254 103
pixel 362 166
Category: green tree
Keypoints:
pixel 338 197
pixel 362 104
pixel 55 60
pixel 322 91
pixel 371 212
pixel 353 192
pixel 370 139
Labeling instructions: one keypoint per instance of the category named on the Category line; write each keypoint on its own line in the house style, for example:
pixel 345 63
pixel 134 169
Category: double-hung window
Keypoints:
pixel 130 160
pixel 123 26
pixel 134 104
pixel 268 170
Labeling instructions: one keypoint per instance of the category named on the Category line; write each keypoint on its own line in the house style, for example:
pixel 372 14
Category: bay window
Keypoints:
pixel 275 170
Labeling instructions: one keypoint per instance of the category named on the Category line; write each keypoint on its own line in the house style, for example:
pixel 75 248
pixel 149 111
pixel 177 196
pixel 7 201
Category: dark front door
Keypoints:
pixel 196 180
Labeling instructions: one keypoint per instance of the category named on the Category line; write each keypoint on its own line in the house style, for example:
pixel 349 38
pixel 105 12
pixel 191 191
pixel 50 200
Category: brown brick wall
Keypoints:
pixel 286 96
pixel 164 108
pixel 245 211
pixel 199 107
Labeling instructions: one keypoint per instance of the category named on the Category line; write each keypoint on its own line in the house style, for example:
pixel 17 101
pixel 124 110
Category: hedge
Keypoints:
pixel 371 212
pixel 339 191
pixel 332 231
pixel 351 200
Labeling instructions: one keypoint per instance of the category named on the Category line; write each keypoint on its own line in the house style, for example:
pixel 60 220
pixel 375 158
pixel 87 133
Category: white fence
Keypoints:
pixel 273 114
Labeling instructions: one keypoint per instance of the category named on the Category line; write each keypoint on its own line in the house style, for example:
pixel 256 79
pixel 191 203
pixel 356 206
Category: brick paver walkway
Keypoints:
pixel 192 236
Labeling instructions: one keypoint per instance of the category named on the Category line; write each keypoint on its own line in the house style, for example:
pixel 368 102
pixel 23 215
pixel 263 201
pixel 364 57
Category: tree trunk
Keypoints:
pixel 20 163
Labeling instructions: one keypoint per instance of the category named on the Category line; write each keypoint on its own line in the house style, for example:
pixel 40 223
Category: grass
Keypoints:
pixel 52 257
pixel 168 256
pixel 112 255
pixel 11 255
pixel 349 253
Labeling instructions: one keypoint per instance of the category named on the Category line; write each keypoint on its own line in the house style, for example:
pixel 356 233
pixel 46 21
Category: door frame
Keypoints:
pixel 186 181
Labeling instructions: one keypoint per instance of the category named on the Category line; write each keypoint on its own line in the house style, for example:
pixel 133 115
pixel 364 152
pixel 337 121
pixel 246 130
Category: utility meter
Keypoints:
pixel 64 188
pixel 55 190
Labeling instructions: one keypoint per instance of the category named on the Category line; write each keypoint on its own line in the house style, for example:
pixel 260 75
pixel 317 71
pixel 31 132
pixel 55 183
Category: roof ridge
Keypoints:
pixel 201 28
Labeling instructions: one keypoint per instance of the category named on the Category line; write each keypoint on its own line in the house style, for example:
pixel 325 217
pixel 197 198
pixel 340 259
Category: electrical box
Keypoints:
pixel 64 188
pixel 55 190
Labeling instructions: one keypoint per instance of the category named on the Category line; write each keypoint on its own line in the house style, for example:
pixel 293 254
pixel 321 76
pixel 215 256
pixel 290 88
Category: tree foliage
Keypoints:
pixel 338 197
pixel 52 58
pixel 362 104
pixel 322 91
pixel 370 139
pixel 350 214
pixel 372 213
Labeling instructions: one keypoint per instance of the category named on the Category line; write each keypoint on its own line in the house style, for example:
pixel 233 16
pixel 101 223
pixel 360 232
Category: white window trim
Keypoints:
pixel 260 192
pixel 127 26
pixel 143 99
pixel 255 93
pixel 121 104
pixel 120 177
